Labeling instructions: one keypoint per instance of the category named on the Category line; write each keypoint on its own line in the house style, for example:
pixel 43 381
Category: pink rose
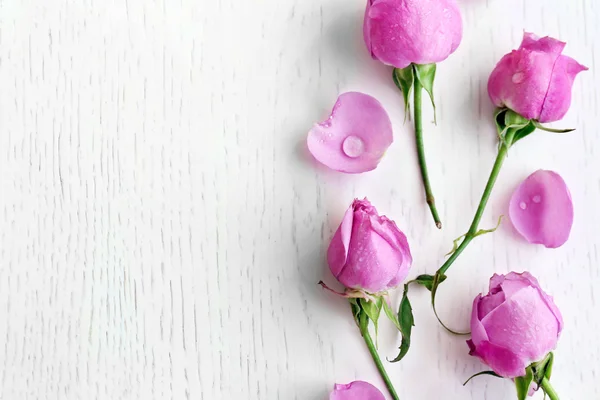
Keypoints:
pixel 357 390
pixel 535 80
pixel 401 32
pixel 368 252
pixel 514 325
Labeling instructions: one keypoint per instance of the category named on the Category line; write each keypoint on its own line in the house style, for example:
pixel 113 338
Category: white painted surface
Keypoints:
pixel 162 229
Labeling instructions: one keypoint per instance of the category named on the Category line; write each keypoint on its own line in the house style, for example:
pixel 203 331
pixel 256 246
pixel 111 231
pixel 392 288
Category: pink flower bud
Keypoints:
pixel 535 80
pixel 368 252
pixel 514 325
pixel 401 32
pixel 357 390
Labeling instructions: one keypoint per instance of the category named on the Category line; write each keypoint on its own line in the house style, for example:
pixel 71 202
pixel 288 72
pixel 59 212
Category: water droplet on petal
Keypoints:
pixel 523 205
pixel 353 146
pixel 537 199
pixel 518 77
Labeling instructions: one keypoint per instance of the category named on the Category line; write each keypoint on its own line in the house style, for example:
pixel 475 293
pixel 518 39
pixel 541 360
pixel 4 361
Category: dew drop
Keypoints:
pixel 523 205
pixel 537 199
pixel 518 77
pixel 353 146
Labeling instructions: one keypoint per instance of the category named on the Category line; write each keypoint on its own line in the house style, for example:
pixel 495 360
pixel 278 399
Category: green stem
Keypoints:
pixel 418 88
pixel 548 389
pixel 364 330
pixel 472 233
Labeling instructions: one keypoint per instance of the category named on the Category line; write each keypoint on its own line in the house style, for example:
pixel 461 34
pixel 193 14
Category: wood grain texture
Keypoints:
pixel 162 228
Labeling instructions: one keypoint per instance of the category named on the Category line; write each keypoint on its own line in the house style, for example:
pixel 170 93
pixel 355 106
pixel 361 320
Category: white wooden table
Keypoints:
pixel 162 229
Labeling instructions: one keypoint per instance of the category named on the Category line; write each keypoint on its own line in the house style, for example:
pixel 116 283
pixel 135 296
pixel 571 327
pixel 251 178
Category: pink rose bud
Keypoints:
pixel 535 80
pixel 401 32
pixel 514 325
pixel 357 390
pixel 368 252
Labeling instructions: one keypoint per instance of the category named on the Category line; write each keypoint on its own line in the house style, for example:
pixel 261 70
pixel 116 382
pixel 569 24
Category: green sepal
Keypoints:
pixel 425 73
pixel 523 132
pixel 492 373
pixel 515 120
pixel 355 310
pixel 543 369
pixel 391 314
pixel 406 322
pixel 427 280
pixel 551 130
pixel 404 79
pixel 499 120
pixel 373 310
pixel 512 126
pixel 523 383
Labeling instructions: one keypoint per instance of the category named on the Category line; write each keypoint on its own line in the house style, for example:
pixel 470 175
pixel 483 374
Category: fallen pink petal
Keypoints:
pixel 541 209
pixel 357 390
pixel 355 136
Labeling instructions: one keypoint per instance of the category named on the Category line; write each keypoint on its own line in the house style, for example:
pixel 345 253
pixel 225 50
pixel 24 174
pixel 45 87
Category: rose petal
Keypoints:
pixel 502 361
pixel 537 331
pixel 520 81
pixel 355 137
pixel 495 282
pixel 477 329
pixel 357 390
pixel 532 281
pixel 388 230
pixel 541 209
pixel 367 272
pixel 337 252
pixel 558 98
pixel 490 302
pixel 546 44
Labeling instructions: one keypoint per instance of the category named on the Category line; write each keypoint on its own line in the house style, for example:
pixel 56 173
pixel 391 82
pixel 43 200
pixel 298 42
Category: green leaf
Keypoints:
pixel 523 383
pixel 373 310
pixel 407 321
pixel 427 280
pixel 551 130
pixel 425 73
pixel 404 79
pixel 492 373
pixel 391 314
